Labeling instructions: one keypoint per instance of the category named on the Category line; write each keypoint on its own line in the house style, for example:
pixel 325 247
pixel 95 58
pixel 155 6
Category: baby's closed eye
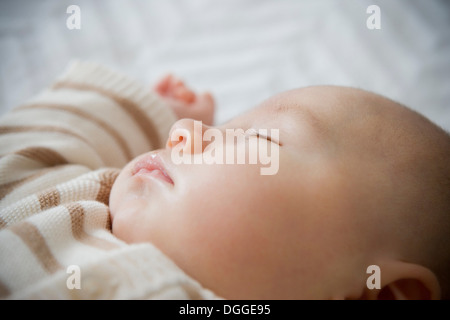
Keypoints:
pixel 273 136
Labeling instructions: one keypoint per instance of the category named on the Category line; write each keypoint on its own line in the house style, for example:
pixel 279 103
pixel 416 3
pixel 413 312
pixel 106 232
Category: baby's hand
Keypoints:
pixel 185 102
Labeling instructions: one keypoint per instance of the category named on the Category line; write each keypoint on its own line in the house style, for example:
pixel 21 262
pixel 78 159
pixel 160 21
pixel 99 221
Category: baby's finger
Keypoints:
pixel 163 85
pixel 208 97
pixel 184 94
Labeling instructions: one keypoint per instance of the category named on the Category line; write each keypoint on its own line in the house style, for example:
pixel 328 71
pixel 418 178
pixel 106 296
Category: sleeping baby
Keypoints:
pixel 88 179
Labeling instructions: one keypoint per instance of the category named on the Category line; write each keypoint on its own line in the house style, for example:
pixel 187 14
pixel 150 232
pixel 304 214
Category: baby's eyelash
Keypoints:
pixel 254 132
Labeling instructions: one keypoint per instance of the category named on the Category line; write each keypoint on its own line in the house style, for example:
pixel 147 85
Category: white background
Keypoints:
pixel 242 50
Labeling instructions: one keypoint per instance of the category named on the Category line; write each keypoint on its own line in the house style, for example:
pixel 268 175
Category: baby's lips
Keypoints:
pixel 155 173
pixel 152 165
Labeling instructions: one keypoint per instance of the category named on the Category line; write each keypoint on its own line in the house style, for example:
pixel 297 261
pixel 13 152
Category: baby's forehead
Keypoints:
pixel 316 106
pixel 333 105
pixel 339 112
pixel 311 101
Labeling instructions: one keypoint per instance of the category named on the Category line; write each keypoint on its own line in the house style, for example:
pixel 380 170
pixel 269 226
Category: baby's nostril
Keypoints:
pixel 171 143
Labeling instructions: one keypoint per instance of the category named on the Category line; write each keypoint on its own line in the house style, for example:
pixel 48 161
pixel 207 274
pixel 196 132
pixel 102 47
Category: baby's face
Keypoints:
pixel 247 235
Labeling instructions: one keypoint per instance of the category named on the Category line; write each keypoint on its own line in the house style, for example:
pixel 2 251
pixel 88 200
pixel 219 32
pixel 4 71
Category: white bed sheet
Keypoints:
pixel 242 50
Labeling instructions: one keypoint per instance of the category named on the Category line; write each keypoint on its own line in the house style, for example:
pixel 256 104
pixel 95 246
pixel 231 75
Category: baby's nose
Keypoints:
pixel 189 133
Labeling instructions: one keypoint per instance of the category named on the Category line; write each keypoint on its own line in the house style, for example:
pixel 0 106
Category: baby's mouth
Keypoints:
pixel 151 165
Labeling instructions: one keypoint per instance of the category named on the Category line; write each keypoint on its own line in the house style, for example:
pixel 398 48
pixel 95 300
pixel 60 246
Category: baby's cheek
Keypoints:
pixel 122 212
pixel 120 227
pixel 121 220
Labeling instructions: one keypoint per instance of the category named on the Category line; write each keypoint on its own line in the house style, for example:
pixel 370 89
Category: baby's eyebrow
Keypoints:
pixel 304 114
pixel 282 108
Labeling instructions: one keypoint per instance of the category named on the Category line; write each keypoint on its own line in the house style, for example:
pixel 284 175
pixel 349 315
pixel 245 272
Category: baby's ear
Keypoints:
pixel 405 281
